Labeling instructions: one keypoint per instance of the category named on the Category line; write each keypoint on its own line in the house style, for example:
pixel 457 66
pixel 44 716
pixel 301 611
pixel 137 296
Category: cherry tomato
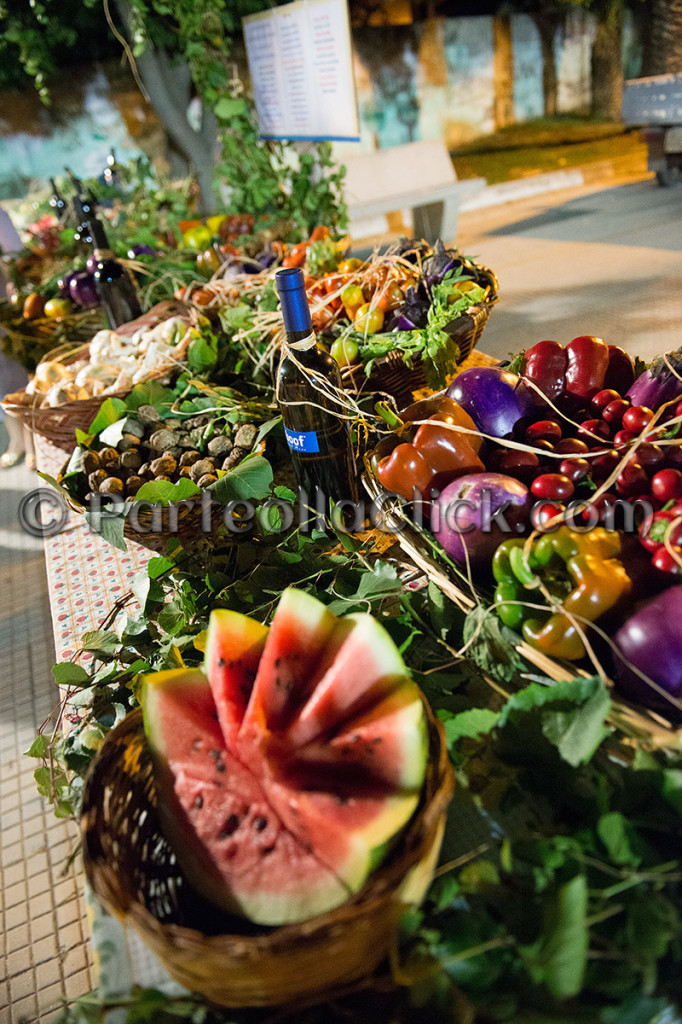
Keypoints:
pixel 543 445
pixel 571 446
pixel 637 418
pixel 673 456
pixel 554 486
pixel 323 318
pixel 604 464
pixel 632 479
pixel 34 305
pixel 201 296
pixel 623 437
pixel 575 469
pixel 297 255
pixel 390 297
pixel 651 456
pixel 594 430
pixel 197 237
pixel 55 308
pixel 345 351
pixel 519 464
pixel 613 412
pixel 664 561
pixel 543 513
pixel 352 298
pixel 666 485
pixel 368 320
pixel 543 430
pixel 604 398
pixel 349 266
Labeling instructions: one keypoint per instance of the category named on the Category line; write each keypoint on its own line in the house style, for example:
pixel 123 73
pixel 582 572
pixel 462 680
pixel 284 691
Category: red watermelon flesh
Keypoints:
pixel 233 651
pixel 333 761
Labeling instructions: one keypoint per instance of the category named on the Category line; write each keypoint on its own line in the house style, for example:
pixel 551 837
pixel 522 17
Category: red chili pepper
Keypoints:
pixel 588 360
pixel 656 529
pixel 545 365
pixel 620 373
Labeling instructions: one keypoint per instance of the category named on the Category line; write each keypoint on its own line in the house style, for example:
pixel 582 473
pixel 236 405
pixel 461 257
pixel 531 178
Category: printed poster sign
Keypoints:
pixel 302 71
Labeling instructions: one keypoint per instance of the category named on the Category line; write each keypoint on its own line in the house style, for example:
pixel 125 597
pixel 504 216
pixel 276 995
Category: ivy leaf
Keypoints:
pixel 150 392
pixel 558 958
pixel 619 838
pixel 101 641
pixel 469 724
pixel 110 410
pixel 228 108
pixel 165 490
pixel 250 480
pixel 112 434
pixel 491 644
pixel 67 673
pixel 38 747
pixel 572 715
pixel 158 565
pixel 109 527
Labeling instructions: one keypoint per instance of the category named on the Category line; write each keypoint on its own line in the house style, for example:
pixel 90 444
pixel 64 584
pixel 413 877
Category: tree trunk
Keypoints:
pixel 662 37
pixel 168 86
pixel 606 62
pixel 503 70
pixel 547 24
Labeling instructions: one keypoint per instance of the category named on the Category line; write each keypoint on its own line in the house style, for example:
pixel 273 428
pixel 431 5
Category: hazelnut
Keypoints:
pixel 206 480
pixel 162 440
pixel 245 436
pixel 112 485
pixel 165 465
pixel 131 459
pixel 91 462
pixel 201 467
pixel 189 458
pixel 96 479
pixel 219 446
pixel 147 414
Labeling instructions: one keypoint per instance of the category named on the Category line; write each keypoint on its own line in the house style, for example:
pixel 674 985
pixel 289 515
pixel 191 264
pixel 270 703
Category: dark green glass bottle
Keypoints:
pixel 317 434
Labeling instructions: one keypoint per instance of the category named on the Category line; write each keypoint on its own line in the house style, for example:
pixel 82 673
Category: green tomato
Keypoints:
pixel 55 308
pixel 197 237
pixel 345 351
pixel 352 298
pixel 67 237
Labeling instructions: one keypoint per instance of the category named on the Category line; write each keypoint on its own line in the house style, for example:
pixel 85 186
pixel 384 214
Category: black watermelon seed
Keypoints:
pixel 220 767
pixel 215 754
pixel 196 744
pixel 260 824
pixel 221 663
pixel 266 850
pixel 199 802
pixel 229 828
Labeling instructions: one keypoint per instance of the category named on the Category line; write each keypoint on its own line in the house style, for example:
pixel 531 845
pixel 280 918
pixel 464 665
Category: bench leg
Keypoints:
pixel 437 220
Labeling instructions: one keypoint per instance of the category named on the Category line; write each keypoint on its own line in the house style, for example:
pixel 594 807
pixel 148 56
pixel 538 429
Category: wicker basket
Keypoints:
pixel 391 375
pixel 636 722
pixel 29 341
pixel 58 423
pixel 134 874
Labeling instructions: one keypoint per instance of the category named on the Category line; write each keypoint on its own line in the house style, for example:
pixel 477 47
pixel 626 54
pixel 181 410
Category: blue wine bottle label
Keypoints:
pixel 302 440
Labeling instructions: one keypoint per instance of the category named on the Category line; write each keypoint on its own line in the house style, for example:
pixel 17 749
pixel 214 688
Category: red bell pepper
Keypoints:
pixel 437 455
pixel 588 360
pixel 545 364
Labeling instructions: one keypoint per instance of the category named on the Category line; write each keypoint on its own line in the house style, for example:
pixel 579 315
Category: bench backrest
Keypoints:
pixel 412 167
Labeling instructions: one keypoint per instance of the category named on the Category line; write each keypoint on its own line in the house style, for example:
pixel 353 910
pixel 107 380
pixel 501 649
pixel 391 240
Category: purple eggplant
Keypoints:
pixel 413 313
pixel 496 399
pixel 140 250
pixel 436 266
pixel 659 384
pixel 651 640
pixel 83 290
pixel 64 282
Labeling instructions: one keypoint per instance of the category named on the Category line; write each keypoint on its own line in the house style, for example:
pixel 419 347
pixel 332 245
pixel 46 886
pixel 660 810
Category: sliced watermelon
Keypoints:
pixel 296 644
pixel 280 799
pixel 233 650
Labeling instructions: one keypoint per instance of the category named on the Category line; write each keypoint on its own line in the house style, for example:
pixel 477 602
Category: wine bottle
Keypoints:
pixel 58 203
pixel 84 206
pixel 113 281
pixel 317 434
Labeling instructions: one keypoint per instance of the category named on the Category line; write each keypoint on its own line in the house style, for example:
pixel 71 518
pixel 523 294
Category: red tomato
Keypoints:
pixel 666 485
pixel 637 418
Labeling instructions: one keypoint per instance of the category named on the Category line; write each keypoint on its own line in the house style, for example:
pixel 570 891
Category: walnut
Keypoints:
pixel 133 484
pixel 200 468
pixel 206 480
pixel 189 458
pixel 91 462
pixel 112 485
pixel 131 459
pixel 96 479
pixel 165 465
pixel 245 436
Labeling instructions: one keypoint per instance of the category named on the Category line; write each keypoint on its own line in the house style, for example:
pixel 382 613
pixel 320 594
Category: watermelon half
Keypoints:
pixel 287 767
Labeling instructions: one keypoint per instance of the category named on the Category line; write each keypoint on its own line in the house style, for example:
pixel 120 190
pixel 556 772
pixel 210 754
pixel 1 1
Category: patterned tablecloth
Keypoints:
pixel 85 575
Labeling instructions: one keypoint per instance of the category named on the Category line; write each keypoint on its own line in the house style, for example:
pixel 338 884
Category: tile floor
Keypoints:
pixel 43 926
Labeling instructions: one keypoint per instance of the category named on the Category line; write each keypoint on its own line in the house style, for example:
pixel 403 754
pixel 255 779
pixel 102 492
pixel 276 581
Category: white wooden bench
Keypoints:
pixel 418 176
